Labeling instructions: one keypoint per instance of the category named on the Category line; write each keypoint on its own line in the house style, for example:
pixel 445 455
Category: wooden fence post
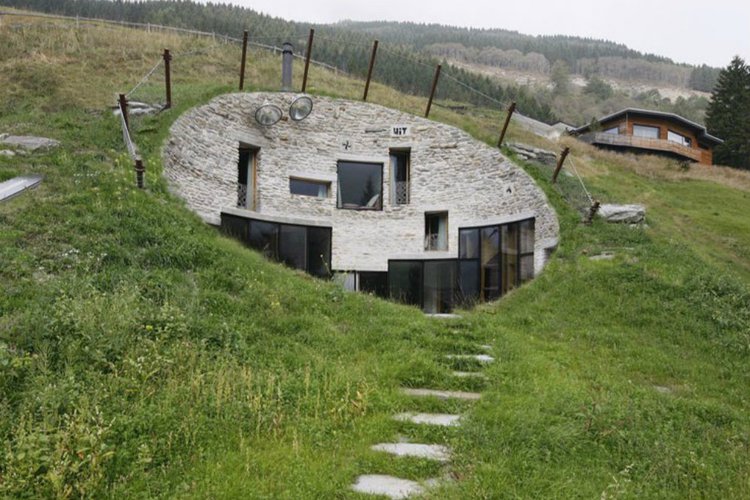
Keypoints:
pixel 511 109
pixel 139 171
pixel 593 209
pixel 560 162
pixel 244 56
pixel 168 77
pixel 432 92
pixel 124 111
pixel 307 59
pixel 369 70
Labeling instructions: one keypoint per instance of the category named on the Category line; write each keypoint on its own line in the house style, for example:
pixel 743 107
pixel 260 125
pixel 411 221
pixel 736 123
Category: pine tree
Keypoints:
pixel 728 115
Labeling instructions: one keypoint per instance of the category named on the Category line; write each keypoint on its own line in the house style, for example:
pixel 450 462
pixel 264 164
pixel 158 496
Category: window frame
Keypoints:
pixel 339 202
pixel 312 182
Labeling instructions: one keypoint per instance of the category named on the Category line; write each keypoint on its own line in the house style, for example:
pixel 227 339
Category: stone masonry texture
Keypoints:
pixel 450 171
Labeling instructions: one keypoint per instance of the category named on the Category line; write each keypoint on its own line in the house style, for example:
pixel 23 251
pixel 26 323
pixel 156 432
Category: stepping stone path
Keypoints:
pixel 396 488
pixel 441 419
pixel 28 142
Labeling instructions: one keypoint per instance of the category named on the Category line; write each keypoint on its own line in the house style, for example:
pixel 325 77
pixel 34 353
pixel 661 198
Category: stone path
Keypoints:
pixel 397 488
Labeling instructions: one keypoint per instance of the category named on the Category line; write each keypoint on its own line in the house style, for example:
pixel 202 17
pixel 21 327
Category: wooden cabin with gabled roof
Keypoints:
pixel 651 131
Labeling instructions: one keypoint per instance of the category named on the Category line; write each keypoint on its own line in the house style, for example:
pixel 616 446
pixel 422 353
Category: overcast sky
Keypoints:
pixel 690 31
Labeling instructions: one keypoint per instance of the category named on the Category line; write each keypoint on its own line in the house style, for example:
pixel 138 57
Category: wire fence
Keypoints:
pixel 148 95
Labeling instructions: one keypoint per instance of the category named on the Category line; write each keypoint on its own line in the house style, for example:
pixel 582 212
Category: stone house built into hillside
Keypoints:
pixel 380 200
pixel 656 132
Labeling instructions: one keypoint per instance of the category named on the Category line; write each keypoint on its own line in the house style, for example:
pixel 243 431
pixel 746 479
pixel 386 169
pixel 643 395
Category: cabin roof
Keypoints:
pixel 698 128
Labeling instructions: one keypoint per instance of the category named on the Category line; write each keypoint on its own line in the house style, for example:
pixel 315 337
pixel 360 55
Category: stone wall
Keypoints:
pixel 450 171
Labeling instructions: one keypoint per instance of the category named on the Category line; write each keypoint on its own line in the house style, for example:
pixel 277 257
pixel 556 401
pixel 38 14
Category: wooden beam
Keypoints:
pixel 369 70
pixel 560 162
pixel 307 58
pixel 244 56
pixel 511 109
pixel 432 92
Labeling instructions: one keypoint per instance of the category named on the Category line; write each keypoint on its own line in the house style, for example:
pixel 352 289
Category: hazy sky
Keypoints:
pixel 690 31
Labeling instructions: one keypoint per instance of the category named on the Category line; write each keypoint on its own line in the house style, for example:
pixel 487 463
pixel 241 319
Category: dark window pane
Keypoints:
pixel 293 246
pixel 527 236
pixel 264 236
pixel 468 244
pixel 236 227
pixel 439 286
pixel 244 163
pixel 490 262
pixel 405 281
pixel 374 282
pixel 308 188
pixel 510 256
pixel 360 185
pixel 527 268
pixel 319 251
pixel 468 281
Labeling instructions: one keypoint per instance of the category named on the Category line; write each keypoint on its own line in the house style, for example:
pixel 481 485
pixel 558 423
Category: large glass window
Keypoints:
pixel 302 247
pixel 678 138
pixel 264 236
pixel 509 272
pixel 646 131
pixel 611 130
pixel 374 282
pixel 305 187
pixel 439 286
pixel 400 176
pixel 360 185
pixel 319 251
pixel 405 281
pixel 490 262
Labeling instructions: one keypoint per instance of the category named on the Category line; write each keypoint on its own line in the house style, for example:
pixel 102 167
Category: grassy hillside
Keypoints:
pixel 144 355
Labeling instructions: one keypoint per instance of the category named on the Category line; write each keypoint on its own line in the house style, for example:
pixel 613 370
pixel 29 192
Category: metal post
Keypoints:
pixel 287 59
pixel 307 59
pixel 168 77
pixel 560 162
pixel 242 64
pixel 511 109
pixel 124 110
pixel 432 92
pixel 139 171
pixel 369 70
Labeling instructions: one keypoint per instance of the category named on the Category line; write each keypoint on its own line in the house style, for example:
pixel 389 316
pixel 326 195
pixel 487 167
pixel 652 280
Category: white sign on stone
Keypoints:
pixel 400 130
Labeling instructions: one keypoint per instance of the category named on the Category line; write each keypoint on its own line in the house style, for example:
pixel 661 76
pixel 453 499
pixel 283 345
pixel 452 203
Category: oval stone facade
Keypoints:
pixel 449 172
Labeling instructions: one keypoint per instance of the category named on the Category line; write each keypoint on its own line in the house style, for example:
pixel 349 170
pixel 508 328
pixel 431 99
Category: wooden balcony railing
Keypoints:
pixel 642 143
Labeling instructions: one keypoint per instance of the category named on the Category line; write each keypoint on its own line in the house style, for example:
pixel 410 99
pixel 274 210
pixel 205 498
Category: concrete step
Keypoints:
pixel 469 396
pixel 441 419
pixel 435 452
pixel 389 486
pixel 482 358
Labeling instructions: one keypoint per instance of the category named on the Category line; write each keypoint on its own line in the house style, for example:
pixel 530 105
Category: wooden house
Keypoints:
pixel 651 131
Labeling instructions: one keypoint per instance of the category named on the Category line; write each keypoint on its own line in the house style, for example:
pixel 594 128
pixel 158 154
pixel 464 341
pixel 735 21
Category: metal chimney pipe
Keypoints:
pixel 287 57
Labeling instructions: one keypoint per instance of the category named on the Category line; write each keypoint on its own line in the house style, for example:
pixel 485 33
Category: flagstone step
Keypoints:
pixel 435 452
pixel 469 396
pixel 482 358
pixel 441 419
pixel 469 375
pixel 389 486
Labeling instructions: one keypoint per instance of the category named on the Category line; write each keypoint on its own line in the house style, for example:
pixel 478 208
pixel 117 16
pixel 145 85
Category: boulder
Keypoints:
pixel 534 154
pixel 7 152
pixel 627 214
pixel 29 142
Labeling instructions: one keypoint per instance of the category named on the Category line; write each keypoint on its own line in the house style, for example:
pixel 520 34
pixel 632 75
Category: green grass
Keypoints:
pixel 143 355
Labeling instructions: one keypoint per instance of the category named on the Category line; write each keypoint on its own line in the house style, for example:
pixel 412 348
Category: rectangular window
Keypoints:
pixel 292 246
pixel 400 176
pixel 646 131
pixel 439 286
pixel 374 282
pixel 509 274
pixel 490 263
pixel 436 231
pixel 612 130
pixel 678 138
pixel 264 236
pixel 318 189
pixel 246 177
pixel 319 251
pixel 360 185
pixel 405 281
pixel 468 244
